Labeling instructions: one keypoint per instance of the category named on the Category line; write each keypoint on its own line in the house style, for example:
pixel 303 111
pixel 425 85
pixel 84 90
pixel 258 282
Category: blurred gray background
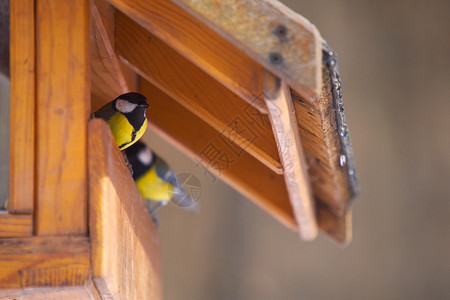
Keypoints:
pixel 395 65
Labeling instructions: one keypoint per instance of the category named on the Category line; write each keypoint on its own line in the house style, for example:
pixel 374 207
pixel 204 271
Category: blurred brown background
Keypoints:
pixel 395 65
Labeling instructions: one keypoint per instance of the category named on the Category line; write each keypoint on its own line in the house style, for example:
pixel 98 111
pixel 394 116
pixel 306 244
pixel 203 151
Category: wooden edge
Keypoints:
pixel 15 225
pixel 22 114
pixel 273 35
pixel 338 228
pixel 318 130
pixel 107 75
pixel 284 126
pixel 131 268
pixel 196 90
pixel 86 292
pixel 44 262
pixel 203 144
pixel 199 44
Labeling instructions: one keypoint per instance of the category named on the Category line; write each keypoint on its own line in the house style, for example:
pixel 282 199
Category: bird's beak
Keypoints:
pixel 146 105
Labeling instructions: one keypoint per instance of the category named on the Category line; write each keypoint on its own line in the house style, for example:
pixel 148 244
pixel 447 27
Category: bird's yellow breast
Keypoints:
pixel 123 131
pixel 154 188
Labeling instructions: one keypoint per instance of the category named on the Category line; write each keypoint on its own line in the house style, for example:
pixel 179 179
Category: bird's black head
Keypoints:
pixel 128 102
pixel 140 157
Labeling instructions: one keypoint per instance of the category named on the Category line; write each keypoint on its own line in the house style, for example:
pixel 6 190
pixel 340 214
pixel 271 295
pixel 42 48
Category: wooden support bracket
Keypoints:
pixel 282 116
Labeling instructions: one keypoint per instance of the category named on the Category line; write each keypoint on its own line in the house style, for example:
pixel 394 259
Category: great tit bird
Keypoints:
pixel 125 116
pixel 155 180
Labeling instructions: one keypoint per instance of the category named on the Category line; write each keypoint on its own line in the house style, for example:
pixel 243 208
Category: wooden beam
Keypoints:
pixel 197 91
pixel 198 43
pixel 107 76
pixel 276 37
pixel 125 243
pixel 15 225
pixel 22 113
pixel 284 125
pixel 44 262
pixel 63 108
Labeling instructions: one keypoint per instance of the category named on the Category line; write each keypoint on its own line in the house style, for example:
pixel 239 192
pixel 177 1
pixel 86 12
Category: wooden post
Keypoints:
pixel 21 148
pixel 63 105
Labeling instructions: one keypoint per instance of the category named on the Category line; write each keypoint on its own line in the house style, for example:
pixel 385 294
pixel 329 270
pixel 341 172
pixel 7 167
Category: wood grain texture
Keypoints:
pixel 317 124
pixel 201 142
pixel 125 242
pixel 87 292
pixel 282 116
pixel 22 113
pixel 106 72
pixel 269 32
pixel 63 107
pixel 15 225
pixel 197 91
pixel 44 262
pixel 198 43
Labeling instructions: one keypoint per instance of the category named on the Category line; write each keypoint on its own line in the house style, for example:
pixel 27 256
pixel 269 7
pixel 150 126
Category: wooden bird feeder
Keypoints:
pixel 246 87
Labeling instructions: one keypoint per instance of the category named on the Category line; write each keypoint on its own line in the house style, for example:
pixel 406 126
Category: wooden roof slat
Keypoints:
pixel 273 35
pixel 198 43
pixel 284 123
pixel 197 91
pixel 317 126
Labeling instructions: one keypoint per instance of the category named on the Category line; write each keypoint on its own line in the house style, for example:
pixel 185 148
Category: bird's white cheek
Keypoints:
pixel 125 106
pixel 145 157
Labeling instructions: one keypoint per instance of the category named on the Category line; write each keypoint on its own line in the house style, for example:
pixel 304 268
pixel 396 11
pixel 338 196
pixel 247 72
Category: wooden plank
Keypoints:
pixel 267 190
pixel 44 262
pixel 79 293
pixel 63 107
pixel 198 43
pixel 317 123
pixel 15 225
pixel 125 242
pixel 284 125
pixel 197 91
pixel 22 113
pixel 204 144
pixel 107 77
pixel 269 32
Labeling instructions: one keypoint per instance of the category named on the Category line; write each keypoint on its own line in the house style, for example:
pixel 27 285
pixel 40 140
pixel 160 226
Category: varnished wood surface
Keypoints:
pixel 62 113
pixel 44 262
pixel 15 225
pixel 125 244
pixel 198 43
pixel 295 169
pixel 86 292
pixel 197 91
pixel 273 35
pixel 22 113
